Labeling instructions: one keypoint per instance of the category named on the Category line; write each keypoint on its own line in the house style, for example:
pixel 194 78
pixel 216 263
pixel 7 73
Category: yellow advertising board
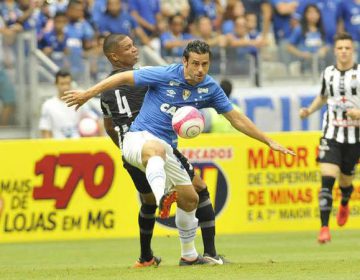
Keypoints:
pixel 75 189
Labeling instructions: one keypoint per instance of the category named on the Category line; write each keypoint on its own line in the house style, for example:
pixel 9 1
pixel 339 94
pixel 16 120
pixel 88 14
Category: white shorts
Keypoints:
pixel 133 143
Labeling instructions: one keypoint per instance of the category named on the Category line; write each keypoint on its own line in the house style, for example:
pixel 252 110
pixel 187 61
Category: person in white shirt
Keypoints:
pixel 59 121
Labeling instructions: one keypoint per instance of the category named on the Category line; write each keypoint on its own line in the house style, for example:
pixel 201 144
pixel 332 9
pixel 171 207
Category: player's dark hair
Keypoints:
pixel 196 46
pixel 226 86
pixel 343 36
pixel 111 42
pixel 62 73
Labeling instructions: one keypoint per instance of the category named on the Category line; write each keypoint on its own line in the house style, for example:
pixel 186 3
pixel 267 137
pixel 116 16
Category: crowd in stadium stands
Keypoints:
pixel 69 31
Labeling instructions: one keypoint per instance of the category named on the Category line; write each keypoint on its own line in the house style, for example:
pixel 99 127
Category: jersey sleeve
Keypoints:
pixel 105 108
pixel 150 76
pixel 323 91
pixel 220 102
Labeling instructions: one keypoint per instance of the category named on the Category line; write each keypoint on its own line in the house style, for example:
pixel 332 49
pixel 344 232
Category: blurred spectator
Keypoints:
pixel 216 41
pixel 263 11
pixel 283 24
pixel 233 10
pixel 210 8
pixel 308 39
pixel 99 65
pixel 56 6
pixel 31 16
pixel 57 119
pixel 172 7
pixel 147 14
pixel 244 46
pixel 53 43
pixel 10 12
pixel 283 14
pixel 328 9
pixel 217 123
pixel 118 21
pixel 7 91
pixel 174 41
pixel 80 38
pixel 349 16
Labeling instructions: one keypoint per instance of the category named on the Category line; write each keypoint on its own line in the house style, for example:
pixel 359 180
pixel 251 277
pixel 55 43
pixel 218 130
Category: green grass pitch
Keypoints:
pixel 279 256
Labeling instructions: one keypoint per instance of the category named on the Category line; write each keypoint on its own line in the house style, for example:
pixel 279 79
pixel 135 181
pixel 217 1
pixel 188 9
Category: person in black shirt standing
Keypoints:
pixel 339 149
pixel 120 107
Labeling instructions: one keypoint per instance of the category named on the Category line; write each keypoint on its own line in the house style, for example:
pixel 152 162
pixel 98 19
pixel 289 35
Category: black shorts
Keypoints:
pixel 139 177
pixel 343 155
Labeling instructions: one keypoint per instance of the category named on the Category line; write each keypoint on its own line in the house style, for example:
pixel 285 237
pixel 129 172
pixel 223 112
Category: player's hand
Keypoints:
pixel 277 147
pixel 304 113
pixel 75 98
pixel 353 114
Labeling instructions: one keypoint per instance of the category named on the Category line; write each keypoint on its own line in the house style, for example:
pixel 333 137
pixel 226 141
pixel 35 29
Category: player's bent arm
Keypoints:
pixel 109 128
pixel 46 134
pixel 243 124
pixel 317 103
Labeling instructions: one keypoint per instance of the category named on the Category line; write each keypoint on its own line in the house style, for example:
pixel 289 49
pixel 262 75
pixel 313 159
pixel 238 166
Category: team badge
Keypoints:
pixel 186 94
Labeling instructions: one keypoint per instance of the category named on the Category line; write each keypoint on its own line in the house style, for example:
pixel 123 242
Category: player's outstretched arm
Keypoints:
pixel 243 124
pixel 317 103
pixel 79 97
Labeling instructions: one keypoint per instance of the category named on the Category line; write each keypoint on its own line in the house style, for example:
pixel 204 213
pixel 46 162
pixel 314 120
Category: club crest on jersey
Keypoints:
pixel 186 94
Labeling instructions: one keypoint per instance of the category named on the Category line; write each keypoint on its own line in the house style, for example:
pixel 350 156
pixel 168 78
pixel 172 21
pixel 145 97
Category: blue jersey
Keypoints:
pixel 349 11
pixel 308 42
pixel 123 23
pixel 168 90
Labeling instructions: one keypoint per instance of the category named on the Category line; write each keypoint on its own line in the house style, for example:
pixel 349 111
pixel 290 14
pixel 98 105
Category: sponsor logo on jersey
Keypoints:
pixel 202 90
pixel 186 94
pixel 173 83
pixel 171 93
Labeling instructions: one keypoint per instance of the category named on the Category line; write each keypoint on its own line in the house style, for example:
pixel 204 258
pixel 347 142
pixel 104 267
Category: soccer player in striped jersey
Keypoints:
pixel 339 148
pixel 120 106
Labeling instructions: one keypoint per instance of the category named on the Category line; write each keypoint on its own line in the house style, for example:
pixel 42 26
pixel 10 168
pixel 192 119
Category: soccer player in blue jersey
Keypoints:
pixel 149 143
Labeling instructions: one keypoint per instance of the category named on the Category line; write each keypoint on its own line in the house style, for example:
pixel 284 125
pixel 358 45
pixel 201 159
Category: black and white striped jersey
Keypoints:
pixel 123 103
pixel 342 89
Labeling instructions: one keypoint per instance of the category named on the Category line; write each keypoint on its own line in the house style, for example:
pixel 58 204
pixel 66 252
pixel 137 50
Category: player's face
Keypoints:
pixel 126 55
pixel 344 50
pixel 196 67
pixel 63 84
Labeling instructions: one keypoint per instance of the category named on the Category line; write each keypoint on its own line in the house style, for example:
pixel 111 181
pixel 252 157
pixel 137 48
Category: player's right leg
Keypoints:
pixel 146 152
pixel 146 217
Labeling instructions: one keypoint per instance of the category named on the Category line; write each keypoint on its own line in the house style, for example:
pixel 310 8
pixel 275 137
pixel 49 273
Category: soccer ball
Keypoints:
pixel 88 127
pixel 188 122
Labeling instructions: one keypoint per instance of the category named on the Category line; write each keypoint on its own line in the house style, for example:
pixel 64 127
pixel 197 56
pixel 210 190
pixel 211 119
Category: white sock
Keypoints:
pixel 187 223
pixel 155 174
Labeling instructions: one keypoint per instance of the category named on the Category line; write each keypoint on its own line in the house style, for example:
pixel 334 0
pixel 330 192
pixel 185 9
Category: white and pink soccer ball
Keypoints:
pixel 88 127
pixel 188 122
